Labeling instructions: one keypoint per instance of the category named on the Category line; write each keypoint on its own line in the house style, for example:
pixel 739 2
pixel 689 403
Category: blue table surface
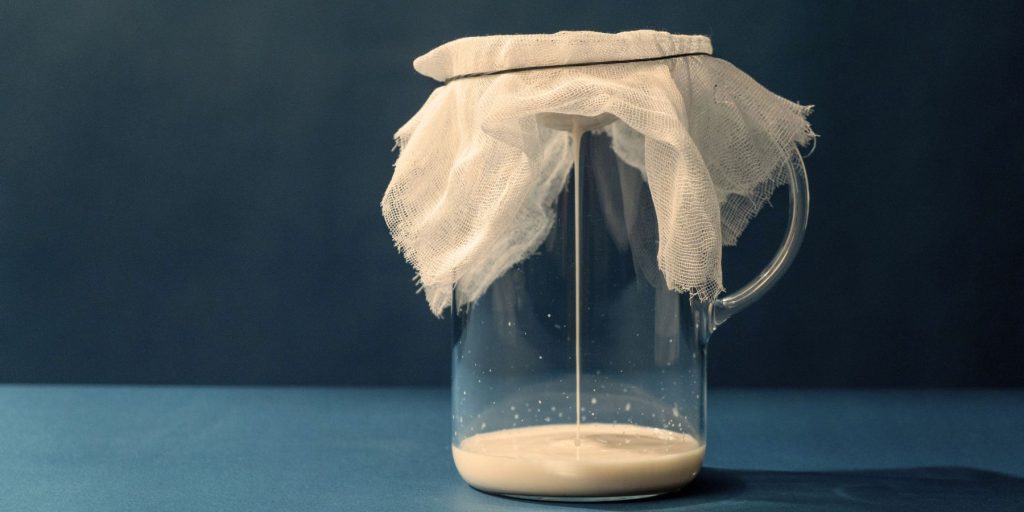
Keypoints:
pixel 289 449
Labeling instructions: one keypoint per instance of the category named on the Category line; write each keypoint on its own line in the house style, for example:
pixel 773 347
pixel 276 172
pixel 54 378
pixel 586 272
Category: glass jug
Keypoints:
pixel 579 375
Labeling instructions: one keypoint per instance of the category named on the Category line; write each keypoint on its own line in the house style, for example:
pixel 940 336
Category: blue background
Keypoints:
pixel 189 191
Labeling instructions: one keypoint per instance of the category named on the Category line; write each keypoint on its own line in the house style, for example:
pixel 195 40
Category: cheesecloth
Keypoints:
pixel 479 169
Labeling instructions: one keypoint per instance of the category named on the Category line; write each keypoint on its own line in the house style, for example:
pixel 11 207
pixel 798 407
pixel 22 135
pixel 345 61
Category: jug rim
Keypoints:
pixel 484 55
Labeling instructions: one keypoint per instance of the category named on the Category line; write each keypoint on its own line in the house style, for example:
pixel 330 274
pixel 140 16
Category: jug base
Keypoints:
pixel 584 499
pixel 592 462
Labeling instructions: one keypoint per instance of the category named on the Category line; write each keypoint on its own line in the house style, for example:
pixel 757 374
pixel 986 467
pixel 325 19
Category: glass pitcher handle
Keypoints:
pixel 799 201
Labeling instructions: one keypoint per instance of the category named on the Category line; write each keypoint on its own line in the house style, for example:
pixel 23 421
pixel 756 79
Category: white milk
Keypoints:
pixel 611 460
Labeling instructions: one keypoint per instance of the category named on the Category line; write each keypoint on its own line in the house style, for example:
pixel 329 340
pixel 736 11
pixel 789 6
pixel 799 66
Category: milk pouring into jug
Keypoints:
pixel 567 197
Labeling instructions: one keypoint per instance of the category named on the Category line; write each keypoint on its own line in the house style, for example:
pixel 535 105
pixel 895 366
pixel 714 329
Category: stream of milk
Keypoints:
pixel 586 459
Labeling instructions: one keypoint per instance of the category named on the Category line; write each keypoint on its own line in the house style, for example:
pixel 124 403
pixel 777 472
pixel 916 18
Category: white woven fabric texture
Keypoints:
pixel 478 172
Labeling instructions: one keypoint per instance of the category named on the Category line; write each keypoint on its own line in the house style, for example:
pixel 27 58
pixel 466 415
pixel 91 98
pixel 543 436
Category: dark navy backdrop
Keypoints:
pixel 189 190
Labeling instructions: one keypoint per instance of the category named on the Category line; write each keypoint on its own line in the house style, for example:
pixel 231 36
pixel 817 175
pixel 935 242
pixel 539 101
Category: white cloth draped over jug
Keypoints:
pixel 479 169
